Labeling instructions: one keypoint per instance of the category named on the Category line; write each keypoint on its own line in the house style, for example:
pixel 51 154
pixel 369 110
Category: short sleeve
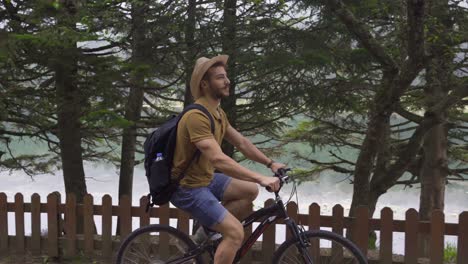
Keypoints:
pixel 198 126
pixel 225 118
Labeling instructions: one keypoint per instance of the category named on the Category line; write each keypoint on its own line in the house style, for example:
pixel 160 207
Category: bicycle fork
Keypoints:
pixel 302 246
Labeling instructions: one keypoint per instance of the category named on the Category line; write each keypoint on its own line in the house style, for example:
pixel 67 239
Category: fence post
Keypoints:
pixel 386 236
pixel 52 226
pixel 3 224
pixel 313 218
pixel 107 226
pixel 337 227
pixel 125 213
pixel 437 236
pixel 314 224
pixel 88 204
pixel 183 221
pixel 144 216
pixel 19 223
pixel 36 224
pixel 338 219
pixel 411 236
pixel 70 224
pixel 292 213
pixel 362 229
pixel 60 221
pixel 268 241
pixel 164 248
pixel 462 251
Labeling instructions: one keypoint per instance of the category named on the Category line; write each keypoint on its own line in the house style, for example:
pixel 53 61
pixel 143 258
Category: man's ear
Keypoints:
pixel 203 84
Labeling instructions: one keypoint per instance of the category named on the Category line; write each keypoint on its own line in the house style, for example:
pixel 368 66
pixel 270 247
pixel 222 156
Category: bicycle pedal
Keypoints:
pixel 215 236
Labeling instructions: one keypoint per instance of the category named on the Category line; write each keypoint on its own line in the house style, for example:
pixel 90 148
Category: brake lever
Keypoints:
pixel 282 172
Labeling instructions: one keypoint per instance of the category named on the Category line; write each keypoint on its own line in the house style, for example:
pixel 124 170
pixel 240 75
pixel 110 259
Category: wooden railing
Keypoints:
pixel 61 238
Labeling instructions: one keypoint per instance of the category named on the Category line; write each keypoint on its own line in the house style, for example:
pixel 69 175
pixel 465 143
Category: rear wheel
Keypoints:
pixel 156 244
pixel 322 247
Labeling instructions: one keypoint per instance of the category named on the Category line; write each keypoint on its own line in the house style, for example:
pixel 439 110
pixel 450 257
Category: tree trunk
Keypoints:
pixel 377 133
pixel 434 169
pixel 69 101
pixel 191 49
pixel 433 177
pixel 229 48
pixel 135 99
pixel 377 129
pixel 395 81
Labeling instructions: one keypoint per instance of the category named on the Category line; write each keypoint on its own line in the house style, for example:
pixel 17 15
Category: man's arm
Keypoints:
pixel 211 149
pixel 249 150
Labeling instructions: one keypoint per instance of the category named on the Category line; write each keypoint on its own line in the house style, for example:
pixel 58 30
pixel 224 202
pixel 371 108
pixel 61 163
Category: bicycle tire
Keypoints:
pixel 352 254
pixel 155 253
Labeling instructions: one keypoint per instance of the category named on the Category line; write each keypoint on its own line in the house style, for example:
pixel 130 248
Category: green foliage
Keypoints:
pixel 450 253
pixel 105 118
pixel 305 132
pixel 341 92
pixel 301 175
pixel 292 58
pixel 45 41
pixel 31 164
pixel 372 243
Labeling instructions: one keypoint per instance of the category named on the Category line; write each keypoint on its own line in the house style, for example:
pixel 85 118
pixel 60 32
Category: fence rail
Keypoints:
pixel 62 239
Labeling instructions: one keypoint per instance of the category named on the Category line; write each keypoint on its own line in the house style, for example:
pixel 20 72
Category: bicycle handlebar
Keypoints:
pixel 282 175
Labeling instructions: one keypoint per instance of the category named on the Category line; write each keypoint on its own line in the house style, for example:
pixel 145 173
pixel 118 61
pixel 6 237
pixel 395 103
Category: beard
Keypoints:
pixel 219 93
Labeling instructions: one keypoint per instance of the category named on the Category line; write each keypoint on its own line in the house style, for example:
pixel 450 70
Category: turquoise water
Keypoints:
pixel 326 188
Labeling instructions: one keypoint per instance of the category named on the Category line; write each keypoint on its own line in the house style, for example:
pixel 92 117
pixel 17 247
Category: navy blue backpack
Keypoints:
pixel 159 149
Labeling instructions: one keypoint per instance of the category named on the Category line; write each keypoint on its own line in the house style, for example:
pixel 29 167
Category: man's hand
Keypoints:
pixel 272 183
pixel 276 165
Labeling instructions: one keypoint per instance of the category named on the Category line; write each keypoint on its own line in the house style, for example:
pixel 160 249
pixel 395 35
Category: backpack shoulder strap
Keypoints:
pixel 204 110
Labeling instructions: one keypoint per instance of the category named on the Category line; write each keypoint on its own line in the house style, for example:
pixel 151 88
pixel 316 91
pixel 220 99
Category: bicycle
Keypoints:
pixel 317 246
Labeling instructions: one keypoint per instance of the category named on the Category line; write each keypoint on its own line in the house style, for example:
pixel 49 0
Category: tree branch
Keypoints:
pixel 331 165
pixel 363 35
pixel 408 115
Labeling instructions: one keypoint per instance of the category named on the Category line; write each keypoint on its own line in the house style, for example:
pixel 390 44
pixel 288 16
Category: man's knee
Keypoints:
pixel 231 229
pixel 235 235
pixel 252 191
pixel 241 190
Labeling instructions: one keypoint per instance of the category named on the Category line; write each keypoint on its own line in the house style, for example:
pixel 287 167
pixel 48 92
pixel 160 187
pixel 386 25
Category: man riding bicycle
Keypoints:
pixel 201 189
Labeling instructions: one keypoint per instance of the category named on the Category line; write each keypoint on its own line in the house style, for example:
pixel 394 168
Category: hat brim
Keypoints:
pixel 200 70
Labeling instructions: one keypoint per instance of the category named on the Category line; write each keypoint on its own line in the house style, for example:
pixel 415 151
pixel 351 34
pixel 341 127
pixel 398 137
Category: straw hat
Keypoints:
pixel 201 66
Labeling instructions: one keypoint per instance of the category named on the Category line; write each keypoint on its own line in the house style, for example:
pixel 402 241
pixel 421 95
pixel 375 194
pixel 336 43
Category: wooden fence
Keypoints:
pixel 61 239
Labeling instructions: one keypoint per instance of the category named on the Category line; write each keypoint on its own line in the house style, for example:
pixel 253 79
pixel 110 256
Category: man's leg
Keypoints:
pixel 233 235
pixel 238 197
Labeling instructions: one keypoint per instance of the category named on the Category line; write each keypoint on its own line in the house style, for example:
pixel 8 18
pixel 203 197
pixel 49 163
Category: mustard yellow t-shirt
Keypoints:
pixel 193 127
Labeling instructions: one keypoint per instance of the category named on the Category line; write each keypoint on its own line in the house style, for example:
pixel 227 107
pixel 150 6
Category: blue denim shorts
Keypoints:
pixel 203 203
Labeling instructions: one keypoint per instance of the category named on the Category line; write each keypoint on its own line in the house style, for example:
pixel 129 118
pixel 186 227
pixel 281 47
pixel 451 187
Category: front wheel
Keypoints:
pixel 322 247
pixel 156 244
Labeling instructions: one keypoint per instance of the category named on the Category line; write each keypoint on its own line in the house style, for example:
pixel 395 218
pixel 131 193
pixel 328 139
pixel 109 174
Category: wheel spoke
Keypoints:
pixel 322 247
pixel 143 246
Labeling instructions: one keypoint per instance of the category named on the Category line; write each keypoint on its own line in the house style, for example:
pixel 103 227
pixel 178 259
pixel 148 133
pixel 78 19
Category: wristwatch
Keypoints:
pixel 270 163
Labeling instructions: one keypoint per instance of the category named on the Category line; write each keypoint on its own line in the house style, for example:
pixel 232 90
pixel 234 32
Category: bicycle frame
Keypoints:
pixel 299 241
pixel 272 214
